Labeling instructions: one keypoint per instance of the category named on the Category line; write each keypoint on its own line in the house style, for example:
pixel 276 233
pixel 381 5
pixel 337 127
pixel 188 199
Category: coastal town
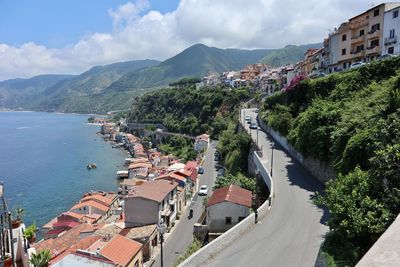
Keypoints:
pixel 369 36
pixel 163 197
pixel 125 228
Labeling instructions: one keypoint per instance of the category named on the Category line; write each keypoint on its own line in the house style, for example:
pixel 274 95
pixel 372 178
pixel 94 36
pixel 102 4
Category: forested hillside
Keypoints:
pixel 352 121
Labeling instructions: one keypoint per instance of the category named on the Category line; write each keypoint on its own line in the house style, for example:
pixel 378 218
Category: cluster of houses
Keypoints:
pixel 366 37
pixel 120 229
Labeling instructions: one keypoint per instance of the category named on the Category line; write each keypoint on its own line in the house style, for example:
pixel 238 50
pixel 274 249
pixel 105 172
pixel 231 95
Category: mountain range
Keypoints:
pixel 114 86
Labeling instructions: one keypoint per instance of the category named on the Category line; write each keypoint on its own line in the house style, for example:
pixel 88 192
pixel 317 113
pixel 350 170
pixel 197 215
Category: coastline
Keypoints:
pixel 73 144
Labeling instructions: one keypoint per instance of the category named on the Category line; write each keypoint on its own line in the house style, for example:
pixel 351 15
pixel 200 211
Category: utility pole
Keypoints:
pixel 272 156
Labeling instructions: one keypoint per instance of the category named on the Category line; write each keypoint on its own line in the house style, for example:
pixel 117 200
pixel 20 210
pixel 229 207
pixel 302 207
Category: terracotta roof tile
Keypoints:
pixel 107 201
pixel 155 190
pixel 233 194
pixel 121 250
pixel 91 203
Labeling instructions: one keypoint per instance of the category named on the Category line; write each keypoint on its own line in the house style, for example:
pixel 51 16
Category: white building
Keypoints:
pixel 226 207
pixel 391 28
pixel 201 142
pixel 149 202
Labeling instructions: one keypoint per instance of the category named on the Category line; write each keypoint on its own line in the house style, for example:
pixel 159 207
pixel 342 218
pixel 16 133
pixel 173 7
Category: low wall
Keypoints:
pixel 201 256
pixel 320 169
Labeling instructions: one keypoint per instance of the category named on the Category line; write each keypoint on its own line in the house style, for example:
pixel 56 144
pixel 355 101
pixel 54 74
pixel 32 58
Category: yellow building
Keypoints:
pixel 360 39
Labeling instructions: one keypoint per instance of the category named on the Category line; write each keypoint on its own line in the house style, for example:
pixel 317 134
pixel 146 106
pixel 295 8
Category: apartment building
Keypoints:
pixel 361 38
pixel 391 27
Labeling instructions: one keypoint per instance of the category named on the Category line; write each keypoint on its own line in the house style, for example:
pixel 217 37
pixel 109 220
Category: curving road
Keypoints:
pixel 292 232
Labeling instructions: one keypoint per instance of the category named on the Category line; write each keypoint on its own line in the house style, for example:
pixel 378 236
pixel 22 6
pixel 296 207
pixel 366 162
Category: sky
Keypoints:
pixel 71 36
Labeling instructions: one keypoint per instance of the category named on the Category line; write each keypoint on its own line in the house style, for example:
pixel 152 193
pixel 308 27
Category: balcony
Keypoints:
pixel 358 39
pixel 374 34
pixel 358 53
pixel 390 40
pixel 374 50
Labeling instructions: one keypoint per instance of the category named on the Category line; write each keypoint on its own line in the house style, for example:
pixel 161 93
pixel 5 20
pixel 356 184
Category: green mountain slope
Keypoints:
pixel 290 54
pixel 18 92
pixel 195 61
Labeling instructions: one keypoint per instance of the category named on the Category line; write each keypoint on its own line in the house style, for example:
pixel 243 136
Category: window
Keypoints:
pixel 344 37
pixel 137 263
pixel 391 34
pixel 374 43
pixel 395 13
pixel 376 12
pixel 391 50
pixel 375 27
pixel 361 32
pixel 172 207
pixel 344 65
pixel 344 51
pixel 241 219
pixel 228 220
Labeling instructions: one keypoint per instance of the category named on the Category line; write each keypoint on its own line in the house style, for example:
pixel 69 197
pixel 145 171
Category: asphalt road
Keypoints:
pixel 182 235
pixel 292 232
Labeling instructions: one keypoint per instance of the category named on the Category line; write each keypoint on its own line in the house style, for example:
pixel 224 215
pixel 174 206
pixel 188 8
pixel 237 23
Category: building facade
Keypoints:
pixel 391 28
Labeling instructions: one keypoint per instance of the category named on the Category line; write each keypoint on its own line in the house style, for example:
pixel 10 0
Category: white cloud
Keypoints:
pixel 140 33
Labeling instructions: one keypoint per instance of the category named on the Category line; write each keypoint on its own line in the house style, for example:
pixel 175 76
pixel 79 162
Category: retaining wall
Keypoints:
pixel 320 169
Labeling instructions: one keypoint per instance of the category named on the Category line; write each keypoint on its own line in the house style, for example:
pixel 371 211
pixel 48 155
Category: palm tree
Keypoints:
pixel 41 259
pixel 19 212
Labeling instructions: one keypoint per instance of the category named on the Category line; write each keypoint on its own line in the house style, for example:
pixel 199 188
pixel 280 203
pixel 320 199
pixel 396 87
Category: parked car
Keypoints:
pixel 200 170
pixel 247 118
pixel 357 64
pixel 386 56
pixel 203 190
pixel 253 125
pixel 217 157
pixel 221 172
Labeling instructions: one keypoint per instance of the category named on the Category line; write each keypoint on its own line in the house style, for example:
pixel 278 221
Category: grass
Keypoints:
pixel 195 246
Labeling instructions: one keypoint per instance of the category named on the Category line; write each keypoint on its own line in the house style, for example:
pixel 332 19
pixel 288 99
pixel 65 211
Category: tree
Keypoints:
pixel 41 259
pixel 354 212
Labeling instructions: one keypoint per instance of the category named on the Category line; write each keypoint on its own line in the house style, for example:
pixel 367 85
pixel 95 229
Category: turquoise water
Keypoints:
pixel 43 158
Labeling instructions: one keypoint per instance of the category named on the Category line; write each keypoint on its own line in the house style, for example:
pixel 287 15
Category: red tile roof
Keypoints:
pixel 155 190
pixel 190 165
pixel 107 201
pixel 172 176
pixel 233 194
pixel 83 244
pixel 121 250
pixel 69 224
pixel 91 203
pixel 60 244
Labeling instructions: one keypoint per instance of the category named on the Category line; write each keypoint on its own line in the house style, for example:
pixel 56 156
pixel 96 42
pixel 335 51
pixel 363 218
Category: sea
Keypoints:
pixel 43 159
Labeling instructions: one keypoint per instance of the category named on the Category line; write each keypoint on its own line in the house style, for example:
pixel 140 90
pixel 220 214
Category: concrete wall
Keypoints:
pixel 201 256
pixel 139 211
pixel 217 213
pixel 320 169
pixel 385 251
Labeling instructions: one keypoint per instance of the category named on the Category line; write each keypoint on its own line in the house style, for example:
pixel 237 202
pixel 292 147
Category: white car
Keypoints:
pixel 357 64
pixel 203 190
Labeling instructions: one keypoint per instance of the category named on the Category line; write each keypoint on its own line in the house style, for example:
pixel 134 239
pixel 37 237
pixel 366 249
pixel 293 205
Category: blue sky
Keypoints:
pixel 56 23
pixel 71 36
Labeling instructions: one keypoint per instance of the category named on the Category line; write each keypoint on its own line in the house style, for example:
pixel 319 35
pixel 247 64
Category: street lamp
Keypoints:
pixel 161 230
pixel 272 155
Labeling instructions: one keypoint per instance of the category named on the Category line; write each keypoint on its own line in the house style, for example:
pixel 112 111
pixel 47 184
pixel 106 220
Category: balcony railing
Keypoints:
pixel 358 38
pixel 358 53
pixel 390 40
pixel 373 49
pixel 374 33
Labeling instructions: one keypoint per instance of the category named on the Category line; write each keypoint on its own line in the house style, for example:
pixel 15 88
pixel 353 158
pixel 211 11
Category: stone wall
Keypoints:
pixel 320 169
